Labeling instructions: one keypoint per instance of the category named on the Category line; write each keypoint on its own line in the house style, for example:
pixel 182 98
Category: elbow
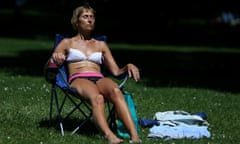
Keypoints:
pixel 119 75
pixel 115 73
pixel 122 74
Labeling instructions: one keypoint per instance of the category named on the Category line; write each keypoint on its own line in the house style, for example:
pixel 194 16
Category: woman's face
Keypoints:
pixel 86 21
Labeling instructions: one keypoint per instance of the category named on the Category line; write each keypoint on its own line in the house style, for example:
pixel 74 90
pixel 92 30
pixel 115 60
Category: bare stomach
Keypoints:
pixel 83 66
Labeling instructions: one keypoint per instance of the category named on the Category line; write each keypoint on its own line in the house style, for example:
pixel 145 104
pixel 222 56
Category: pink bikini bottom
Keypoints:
pixel 93 76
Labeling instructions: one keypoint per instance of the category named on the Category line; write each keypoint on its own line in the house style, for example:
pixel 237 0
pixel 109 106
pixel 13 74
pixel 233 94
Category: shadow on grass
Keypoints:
pixel 210 70
pixel 69 125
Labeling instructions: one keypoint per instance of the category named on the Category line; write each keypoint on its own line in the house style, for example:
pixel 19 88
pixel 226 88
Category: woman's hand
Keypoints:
pixel 133 71
pixel 58 57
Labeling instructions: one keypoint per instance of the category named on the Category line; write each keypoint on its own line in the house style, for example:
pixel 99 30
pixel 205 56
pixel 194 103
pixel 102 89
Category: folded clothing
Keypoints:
pixel 147 122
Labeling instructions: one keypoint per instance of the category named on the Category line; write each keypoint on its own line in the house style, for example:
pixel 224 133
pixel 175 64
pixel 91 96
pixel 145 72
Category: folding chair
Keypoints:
pixel 61 92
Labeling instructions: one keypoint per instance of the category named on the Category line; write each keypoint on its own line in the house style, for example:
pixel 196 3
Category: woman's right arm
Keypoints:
pixel 59 54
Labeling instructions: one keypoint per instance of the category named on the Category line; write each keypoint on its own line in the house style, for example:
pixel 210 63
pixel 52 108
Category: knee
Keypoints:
pixel 116 93
pixel 99 100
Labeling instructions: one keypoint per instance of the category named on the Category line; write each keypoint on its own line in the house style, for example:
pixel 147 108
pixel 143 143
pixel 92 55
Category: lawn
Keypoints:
pixel 25 95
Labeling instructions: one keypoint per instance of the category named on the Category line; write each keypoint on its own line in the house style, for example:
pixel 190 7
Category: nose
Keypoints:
pixel 90 20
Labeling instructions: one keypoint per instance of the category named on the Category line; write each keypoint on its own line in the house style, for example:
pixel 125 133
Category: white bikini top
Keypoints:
pixel 75 55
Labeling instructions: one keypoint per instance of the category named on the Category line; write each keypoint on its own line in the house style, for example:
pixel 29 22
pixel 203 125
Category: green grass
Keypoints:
pixel 13 47
pixel 24 104
pixel 175 48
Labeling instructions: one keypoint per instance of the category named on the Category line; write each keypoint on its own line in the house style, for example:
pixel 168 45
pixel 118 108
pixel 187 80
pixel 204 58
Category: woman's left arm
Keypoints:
pixel 111 64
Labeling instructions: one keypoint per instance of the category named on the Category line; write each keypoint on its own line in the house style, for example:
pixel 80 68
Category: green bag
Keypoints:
pixel 120 128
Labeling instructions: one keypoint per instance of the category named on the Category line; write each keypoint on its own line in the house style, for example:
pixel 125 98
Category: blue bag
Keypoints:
pixel 120 128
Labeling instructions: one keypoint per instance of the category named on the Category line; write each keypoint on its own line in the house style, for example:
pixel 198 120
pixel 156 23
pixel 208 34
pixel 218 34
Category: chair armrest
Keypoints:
pixel 50 71
pixel 124 80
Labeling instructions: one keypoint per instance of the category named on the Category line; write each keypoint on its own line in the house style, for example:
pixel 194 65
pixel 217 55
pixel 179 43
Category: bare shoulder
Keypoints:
pixel 102 44
pixel 66 42
pixel 63 45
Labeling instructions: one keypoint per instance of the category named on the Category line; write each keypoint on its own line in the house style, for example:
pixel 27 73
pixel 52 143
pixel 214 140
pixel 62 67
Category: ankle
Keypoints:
pixel 134 137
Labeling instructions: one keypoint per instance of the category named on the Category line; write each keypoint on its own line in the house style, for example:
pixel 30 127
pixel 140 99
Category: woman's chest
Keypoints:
pixel 86 47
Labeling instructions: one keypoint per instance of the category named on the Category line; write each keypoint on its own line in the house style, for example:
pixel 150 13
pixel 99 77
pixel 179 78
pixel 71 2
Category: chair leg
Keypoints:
pixel 51 105
pixel 82 123
pixel 77 107
pixel 59 115
pixel 54 95
pixel 54 99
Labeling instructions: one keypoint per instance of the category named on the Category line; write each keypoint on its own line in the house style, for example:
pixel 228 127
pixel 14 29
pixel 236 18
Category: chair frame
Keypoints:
pixel 69 93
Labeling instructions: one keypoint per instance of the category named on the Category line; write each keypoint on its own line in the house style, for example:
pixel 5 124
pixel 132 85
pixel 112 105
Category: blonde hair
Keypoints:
pixel 77 13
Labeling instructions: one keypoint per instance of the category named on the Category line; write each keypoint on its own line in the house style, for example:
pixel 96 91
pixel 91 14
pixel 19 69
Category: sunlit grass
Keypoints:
pixel 174 48
pixel 24 104
pixel 12 46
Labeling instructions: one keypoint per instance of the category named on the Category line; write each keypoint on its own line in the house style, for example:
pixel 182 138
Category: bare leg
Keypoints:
pixel 89 91
pixel 124 114
pixel 114 94
pixel 100 119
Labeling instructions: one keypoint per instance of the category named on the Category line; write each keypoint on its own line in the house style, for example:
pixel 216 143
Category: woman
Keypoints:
pixel 84 56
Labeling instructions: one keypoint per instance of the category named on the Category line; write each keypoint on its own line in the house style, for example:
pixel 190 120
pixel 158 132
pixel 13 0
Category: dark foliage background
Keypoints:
pixel 138 22
pixel 157 22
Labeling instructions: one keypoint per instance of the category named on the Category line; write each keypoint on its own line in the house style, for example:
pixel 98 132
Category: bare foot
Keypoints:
pixel 135 139
pixel 112 139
